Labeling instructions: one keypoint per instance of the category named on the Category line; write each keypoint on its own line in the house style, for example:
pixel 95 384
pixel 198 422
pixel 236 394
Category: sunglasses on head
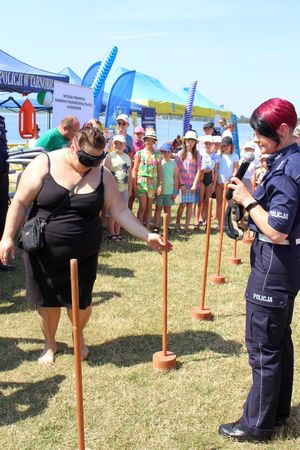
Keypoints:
pixel 88 160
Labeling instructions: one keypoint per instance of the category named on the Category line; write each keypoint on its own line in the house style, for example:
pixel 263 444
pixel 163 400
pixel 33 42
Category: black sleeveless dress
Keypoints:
pixel 74 232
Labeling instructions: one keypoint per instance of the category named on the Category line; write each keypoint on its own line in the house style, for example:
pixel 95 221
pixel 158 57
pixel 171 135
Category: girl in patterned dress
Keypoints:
pixel 189 165
pixel 120 166
pixel 147 176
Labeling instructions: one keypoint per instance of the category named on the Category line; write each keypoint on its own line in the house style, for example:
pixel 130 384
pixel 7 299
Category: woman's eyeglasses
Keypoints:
pixel 123 124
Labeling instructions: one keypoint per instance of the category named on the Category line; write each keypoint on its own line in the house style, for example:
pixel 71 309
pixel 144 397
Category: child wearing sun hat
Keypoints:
pixel 119 164
pixel 189 165
pixel 147 176
pixel 170 177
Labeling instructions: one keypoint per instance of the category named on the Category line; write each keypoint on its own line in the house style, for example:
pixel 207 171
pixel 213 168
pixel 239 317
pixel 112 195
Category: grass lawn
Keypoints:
pixel 129 405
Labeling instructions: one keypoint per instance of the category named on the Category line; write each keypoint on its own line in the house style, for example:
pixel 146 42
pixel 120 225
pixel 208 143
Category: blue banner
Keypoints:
pixel 235 134
pixel 26 82
pixel 119 101
pixel 148 117
pixel 90 74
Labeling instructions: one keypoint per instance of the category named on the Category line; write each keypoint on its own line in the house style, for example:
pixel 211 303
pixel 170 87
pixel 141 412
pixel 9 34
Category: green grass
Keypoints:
pixel 129 405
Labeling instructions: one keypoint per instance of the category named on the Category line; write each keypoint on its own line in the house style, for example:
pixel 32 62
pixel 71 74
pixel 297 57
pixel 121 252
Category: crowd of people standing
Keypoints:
pixel 188 170
pixel 93 174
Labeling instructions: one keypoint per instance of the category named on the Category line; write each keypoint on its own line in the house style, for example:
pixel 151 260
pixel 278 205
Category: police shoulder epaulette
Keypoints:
pixel 292 166
pixel 281 166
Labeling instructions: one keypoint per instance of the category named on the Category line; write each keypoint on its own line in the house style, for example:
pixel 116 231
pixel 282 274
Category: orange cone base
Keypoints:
pixel 201 314
pixel 217 279
pixel 234 260
pixel 247 240
pixel 164 362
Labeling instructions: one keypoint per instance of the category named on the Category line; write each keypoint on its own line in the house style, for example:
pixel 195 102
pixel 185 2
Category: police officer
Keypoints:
pixel 274 280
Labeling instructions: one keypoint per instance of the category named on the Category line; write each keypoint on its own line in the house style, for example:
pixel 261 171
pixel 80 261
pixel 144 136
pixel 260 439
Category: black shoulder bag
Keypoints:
pixel 32 234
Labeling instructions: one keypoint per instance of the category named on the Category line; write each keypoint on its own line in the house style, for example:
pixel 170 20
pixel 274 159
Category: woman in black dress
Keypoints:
pixel 73 232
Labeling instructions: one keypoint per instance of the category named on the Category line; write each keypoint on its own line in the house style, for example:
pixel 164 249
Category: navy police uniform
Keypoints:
pixel 272 287
pixel 3 176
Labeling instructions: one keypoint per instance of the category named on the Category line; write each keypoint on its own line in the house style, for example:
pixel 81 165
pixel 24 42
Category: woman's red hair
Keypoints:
pixel 277 111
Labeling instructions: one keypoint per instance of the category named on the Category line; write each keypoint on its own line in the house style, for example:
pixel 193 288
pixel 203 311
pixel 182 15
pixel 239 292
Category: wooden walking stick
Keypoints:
pixel 77 356
pixel 164 360
pixel 234 259
pixel 217 278
pixel 200 312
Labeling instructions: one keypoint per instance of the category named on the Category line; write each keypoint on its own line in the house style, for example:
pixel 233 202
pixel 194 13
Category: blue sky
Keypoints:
pixel 241 52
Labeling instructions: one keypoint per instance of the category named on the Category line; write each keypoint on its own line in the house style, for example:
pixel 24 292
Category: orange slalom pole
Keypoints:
pixel 234 259
pixel 248 239
pixel 165 289
pixel 200 312
pixel 164 360
pixel 217 278
pixel 77 356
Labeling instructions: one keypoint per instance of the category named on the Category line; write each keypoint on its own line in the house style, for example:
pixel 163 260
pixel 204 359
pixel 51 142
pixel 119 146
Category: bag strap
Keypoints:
pixel 49 162
pixel 69 195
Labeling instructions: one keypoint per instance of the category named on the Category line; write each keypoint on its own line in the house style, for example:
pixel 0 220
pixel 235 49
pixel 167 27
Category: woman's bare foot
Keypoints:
pixel 84 350
pixel 47 357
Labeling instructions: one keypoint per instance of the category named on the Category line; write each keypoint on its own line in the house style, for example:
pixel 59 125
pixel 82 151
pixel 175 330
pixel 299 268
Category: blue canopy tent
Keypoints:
pixel 202 106
pixel 73 77
pixel 199 99
pixel 15 103
pixel 148 91
pixel 17 76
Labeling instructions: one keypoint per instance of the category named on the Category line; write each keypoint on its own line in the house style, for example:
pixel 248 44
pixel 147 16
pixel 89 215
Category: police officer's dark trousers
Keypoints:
pixel 272 286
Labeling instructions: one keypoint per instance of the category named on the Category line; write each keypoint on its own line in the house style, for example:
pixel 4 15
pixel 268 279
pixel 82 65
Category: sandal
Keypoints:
pixel 177 228
pixel 120 238
pixel 155 230
pixel 113 238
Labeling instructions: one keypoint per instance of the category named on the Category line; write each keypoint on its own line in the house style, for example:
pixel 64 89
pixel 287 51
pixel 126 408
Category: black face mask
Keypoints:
pixel 88 160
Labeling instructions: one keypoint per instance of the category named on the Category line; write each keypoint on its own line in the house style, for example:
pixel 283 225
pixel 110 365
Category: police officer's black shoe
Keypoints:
pixel 280 421
pixel 236 431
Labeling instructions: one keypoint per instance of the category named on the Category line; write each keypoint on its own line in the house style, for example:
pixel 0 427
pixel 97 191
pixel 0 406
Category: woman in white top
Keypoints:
pixel 228 165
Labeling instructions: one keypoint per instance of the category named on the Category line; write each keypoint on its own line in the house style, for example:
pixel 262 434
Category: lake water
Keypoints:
pixel 166 129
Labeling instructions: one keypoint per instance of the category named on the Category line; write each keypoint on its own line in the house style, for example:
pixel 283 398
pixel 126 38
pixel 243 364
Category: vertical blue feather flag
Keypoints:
pixel 100 77
pixel 120 98
pixel 235 134
pixel 189 107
